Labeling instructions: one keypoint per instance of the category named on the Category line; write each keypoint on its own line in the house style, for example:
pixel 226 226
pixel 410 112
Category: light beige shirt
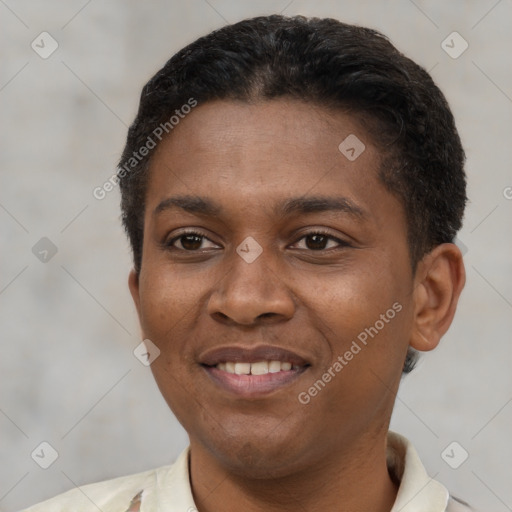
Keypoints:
pixel 167 489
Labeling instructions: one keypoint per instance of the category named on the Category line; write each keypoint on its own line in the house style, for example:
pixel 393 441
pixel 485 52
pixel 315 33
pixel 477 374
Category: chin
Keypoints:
pixel 259 456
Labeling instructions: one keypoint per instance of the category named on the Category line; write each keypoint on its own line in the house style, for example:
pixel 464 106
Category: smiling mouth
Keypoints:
pixel 253 373
pixel 256 368
pixel 254 385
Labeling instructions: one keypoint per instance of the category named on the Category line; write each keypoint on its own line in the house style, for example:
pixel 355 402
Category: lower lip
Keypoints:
pixel 252 386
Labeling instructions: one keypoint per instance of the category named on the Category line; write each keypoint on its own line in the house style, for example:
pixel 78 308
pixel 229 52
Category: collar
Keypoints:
pixel 417 492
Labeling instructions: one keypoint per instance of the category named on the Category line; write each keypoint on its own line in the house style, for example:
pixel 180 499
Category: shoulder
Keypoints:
pixel 113 495
pixel 167 485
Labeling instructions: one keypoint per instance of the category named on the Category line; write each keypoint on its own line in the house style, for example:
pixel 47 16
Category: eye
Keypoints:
pixel 190 241
pixel 319 241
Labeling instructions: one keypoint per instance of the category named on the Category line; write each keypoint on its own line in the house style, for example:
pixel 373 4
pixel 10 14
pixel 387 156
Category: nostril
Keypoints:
pixel 220 316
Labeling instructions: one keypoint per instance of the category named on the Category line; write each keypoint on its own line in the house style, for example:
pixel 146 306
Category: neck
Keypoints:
pixel 355 479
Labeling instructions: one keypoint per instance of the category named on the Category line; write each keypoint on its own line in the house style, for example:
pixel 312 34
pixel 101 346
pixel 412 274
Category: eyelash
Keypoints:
pixel 341 243
pixel 170 243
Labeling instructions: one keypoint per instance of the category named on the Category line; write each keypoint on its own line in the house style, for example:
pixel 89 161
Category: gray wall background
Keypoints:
pixel 68 327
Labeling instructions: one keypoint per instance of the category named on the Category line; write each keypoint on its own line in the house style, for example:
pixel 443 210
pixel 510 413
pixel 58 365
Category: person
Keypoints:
pixel 291 188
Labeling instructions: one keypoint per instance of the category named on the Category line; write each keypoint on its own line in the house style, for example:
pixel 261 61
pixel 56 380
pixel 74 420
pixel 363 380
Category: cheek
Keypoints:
pixel 366 318
pixel 169 312
pixel 353 300
pixel 367 332
pixel 168 307
pixel 166 291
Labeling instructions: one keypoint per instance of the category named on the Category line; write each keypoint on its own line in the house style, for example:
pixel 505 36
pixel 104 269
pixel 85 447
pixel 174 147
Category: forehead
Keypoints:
pixel 285 126
pixel 263 152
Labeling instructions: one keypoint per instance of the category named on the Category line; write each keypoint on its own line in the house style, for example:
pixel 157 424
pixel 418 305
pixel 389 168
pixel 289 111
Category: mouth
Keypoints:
pixel 253 373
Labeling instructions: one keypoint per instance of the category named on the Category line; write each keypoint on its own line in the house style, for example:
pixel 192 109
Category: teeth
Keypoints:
pixel 257 368
pixel 274 366
pixel 242 368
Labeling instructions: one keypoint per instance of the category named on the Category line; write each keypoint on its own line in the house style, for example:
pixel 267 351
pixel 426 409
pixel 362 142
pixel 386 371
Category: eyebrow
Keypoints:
pixel 191 204
pixel 305 205
pixel 300 205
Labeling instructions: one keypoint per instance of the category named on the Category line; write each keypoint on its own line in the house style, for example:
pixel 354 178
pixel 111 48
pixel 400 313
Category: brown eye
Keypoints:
pixel 316 241
pixel 191 242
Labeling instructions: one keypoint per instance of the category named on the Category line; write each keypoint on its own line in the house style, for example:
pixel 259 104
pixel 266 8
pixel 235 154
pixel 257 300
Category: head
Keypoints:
pixel 247 137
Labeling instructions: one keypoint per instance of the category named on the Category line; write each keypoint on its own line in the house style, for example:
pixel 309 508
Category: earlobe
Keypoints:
pixel 440 278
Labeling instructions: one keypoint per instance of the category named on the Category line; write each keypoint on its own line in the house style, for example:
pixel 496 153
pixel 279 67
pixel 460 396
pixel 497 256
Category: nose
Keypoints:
pixel 251 293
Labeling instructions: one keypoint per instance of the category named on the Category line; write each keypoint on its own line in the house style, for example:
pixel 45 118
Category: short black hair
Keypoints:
pixel 327 63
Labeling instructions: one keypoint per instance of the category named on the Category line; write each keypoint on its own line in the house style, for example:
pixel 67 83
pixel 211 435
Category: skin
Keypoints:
pixel 310 295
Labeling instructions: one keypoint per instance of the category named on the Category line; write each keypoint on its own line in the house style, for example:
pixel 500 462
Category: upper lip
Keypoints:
pixel 236 354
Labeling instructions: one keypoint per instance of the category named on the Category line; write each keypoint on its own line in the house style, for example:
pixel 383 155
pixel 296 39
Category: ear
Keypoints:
pixel 439 280
pixel 133 285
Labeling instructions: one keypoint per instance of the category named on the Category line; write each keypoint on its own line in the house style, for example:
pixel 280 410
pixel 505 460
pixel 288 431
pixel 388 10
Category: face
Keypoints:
pixel 276 283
